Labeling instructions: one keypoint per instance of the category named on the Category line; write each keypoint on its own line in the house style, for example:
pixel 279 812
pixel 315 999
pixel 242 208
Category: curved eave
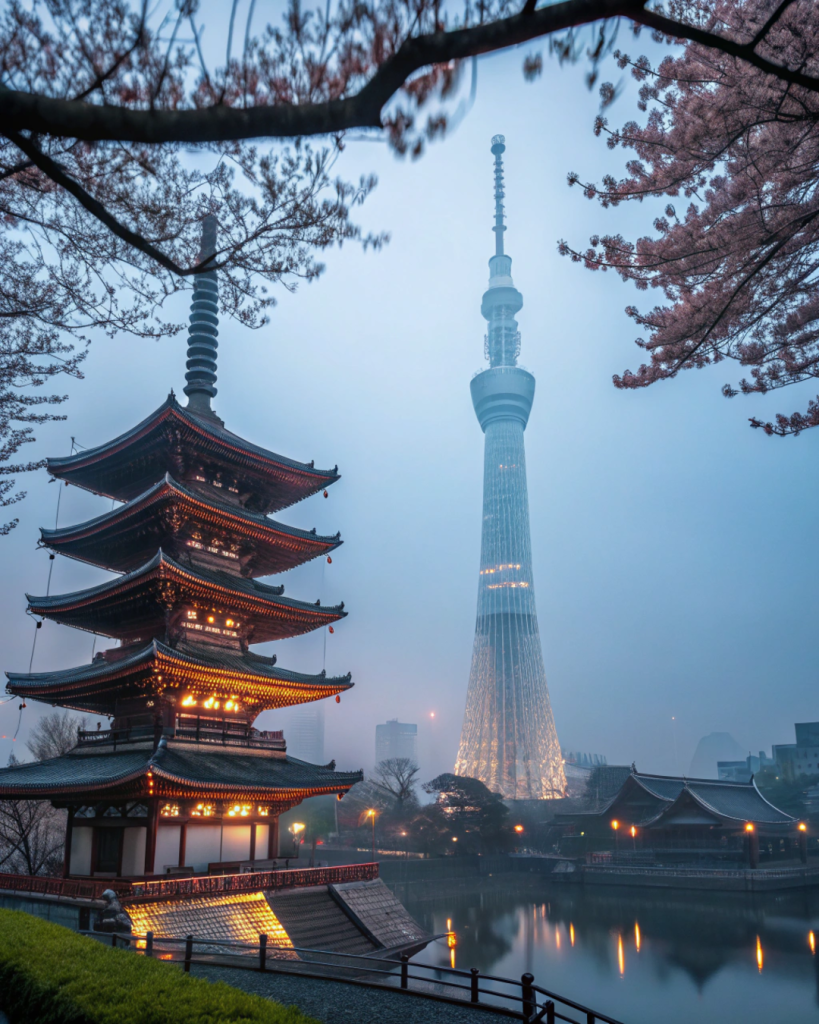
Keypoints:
pixel 232 448
pixel 764 815
pixel 246 597
pixel 292 546
pixel 140 777
pixel 93 688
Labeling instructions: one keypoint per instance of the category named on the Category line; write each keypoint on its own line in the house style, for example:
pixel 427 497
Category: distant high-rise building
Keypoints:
pixel 305 738
pixel 508 739
pixel 395 739
pixel 802 757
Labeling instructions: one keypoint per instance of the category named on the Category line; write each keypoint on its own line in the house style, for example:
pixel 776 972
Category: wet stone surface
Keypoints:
pixel 335 1002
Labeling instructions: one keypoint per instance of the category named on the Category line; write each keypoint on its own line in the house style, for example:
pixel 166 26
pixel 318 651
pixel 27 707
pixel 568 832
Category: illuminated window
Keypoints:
pixel 234 489
pixel 229 622
pixel 191 614
pixel 195 544
pixel 188 702
pixel 239 811
pixel 211 619
pixel 170 811
pixel 204 811
pixel 217 483
pixel 264 811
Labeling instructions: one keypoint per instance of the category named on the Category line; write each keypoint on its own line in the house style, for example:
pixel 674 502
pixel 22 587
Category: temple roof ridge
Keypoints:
pixel 167 485
pixel 214 577
pixel 232 447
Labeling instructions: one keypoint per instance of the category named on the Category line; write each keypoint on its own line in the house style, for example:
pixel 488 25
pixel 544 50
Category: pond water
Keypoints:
pixel 638 956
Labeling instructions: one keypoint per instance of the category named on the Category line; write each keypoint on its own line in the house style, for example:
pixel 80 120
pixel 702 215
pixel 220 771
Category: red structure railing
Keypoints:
pixel 251 881
pixel 67 888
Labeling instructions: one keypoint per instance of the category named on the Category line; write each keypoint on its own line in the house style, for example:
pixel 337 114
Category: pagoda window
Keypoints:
pixel 170 811
pixel 239 810
pixel 203 811
pixel 191 613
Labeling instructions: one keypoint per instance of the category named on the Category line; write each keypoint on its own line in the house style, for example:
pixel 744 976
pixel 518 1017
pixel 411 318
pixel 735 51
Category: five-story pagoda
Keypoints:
pixel 181 779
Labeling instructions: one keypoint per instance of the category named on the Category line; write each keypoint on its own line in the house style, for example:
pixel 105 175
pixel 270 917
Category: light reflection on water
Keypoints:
pixel 640 957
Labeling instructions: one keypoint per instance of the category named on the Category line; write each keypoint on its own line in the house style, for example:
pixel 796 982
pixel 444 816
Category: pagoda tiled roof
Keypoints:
pixel 95 687
pixel 173 436
pixel 100 609
pixel 118 540
pixel 175 773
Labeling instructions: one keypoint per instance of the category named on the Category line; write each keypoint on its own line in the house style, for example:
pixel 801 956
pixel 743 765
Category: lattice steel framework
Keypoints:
pixel 508 739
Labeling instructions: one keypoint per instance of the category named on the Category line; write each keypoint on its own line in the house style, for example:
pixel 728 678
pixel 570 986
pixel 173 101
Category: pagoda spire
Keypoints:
pixel 203 330
pixel 502 300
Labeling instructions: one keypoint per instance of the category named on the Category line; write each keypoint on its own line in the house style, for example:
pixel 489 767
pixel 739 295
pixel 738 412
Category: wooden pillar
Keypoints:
pixel 183 839
pixel 253 840
pixel 803 847
pixel 150 838
pixel 69 832
pixel 753 849
pixel 273 839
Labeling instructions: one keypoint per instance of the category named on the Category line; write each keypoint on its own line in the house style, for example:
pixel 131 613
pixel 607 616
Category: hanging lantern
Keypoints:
pixel 326 495
pixel 331 629
pixel 329 560
pixel 338 700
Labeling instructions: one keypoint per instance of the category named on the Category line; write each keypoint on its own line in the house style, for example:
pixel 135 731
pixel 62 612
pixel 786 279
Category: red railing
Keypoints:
pixel 252 881
pixel 70 888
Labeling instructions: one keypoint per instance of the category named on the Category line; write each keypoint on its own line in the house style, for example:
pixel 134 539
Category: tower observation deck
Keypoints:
pixel 508 738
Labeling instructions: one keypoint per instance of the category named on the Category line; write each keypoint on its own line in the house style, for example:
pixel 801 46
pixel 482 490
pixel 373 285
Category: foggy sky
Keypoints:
pixel 674 566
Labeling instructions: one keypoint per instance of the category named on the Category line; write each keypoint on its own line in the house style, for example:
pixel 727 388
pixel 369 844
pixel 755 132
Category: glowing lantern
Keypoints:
pixel 338 699
pixel 331 629
pixel 329 560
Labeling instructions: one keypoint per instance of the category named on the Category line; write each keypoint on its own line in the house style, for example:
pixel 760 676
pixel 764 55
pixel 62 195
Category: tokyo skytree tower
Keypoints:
pixel 508 739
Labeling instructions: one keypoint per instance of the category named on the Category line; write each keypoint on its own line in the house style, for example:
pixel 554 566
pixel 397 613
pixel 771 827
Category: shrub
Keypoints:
pixel 51 975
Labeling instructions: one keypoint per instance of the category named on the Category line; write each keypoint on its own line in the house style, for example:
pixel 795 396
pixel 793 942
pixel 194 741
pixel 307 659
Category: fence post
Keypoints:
pixel 474 983
pixel 527 996
pixel 404 970
pixel 550 1013
pixel 188 953
pixel 114 939
pixel 149 944
pixel 262 952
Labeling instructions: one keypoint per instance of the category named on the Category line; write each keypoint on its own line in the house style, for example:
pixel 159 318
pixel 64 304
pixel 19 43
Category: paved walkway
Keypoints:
pixel 336 1002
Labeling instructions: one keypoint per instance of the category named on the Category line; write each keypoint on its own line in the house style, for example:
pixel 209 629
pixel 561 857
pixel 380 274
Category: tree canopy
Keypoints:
pixel 117 135
pixel 736 255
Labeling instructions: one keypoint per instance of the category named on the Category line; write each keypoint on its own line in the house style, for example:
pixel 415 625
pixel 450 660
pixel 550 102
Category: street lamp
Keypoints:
pixel 371 816
pixel 296 828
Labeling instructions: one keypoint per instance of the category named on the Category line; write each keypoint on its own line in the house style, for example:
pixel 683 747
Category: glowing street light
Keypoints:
pixel 296 828
pixel 371 814
pixel 518 828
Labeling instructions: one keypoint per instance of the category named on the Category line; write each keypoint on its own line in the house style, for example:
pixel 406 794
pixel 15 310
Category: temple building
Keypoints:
pixel 181 780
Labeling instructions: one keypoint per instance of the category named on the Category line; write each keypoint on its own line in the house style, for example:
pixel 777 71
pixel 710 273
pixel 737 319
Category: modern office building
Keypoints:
pixel 396 739
pixel 800 758
pixel 306 733
pixel 508 739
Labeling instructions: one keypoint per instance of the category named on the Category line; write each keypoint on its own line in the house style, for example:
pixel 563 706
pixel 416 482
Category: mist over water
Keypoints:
pixel 638 956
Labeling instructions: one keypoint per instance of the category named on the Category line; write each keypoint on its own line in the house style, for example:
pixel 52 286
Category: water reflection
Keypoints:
pixel 701 956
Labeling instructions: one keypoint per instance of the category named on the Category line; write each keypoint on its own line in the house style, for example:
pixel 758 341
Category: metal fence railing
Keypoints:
pixel 521 999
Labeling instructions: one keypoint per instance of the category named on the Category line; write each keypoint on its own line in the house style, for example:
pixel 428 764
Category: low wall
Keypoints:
pixel 70 913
